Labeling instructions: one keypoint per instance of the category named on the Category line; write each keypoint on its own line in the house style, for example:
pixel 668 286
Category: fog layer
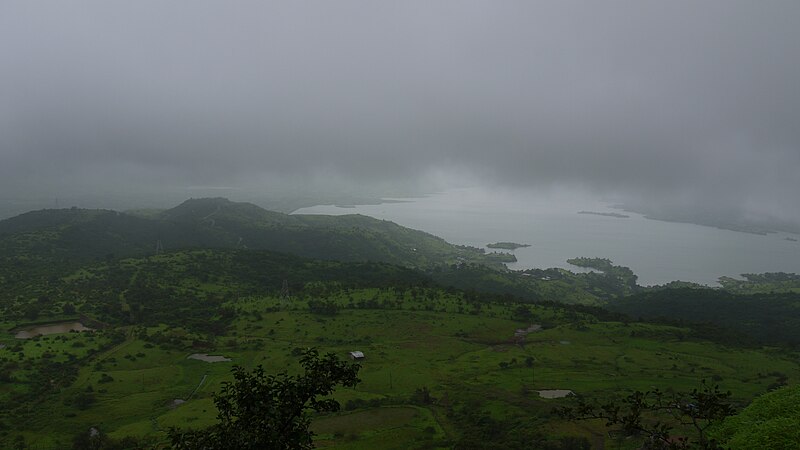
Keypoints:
pixel 683 103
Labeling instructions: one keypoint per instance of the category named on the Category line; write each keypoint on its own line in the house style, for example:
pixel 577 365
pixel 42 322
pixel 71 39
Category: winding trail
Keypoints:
pixel 203 380
pixel 208 217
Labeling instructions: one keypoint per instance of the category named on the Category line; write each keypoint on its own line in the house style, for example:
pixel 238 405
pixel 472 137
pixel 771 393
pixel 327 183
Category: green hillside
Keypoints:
pixel 763 318
pixel 77 235
pixel 771 422
pixel 457 350
pixel 442 370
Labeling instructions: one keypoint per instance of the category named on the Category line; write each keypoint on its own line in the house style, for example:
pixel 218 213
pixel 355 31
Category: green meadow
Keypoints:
pixel 439 369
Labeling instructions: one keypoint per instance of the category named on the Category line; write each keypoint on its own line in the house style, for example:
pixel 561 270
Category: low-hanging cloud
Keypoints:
pixel 677 101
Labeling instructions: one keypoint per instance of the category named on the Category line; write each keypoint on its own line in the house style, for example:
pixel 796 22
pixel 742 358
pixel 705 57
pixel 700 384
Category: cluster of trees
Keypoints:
pixel 615 280
pixel 656 416
pixel 481 430
pixel 323 307
pixel 262 411
pixel 756 318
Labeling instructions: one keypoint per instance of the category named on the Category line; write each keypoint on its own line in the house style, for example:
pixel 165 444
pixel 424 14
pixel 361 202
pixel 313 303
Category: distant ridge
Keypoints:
pixel 83 234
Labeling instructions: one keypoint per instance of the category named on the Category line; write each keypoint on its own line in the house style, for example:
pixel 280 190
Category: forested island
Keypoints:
pixel 507 245
pixel 605 214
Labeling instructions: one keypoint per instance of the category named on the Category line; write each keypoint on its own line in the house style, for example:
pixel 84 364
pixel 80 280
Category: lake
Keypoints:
pixel 657 251
pixel 53 328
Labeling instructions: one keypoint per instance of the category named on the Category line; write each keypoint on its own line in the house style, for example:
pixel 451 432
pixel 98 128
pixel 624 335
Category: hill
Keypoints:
pixel 767 318
pixel 77 235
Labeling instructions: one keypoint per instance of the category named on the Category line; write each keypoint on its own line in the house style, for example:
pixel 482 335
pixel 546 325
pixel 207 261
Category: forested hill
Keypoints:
pixel 768 318
pixel 79 235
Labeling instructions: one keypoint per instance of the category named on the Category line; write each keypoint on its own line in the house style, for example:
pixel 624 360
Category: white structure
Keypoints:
pixel 356 355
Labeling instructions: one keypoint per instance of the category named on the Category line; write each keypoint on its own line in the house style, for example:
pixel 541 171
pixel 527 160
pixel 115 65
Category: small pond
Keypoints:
pixel 52 328
pixel 208 358
pixel 555 393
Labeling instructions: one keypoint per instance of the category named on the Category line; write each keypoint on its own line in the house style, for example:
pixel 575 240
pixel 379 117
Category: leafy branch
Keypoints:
pixel 261 411
pixel 643 413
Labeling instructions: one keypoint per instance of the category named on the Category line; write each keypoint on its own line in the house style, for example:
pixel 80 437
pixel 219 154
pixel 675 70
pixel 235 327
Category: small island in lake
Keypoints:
pixel 791 239
pixel 606 214
pixel 507 245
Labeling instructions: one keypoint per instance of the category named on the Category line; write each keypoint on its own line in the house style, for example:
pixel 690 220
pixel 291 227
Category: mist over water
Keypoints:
pixel 682 106
pixel 658 252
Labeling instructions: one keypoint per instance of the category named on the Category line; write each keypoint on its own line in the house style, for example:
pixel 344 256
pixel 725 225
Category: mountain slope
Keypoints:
pixel 79 235
pixel 769 318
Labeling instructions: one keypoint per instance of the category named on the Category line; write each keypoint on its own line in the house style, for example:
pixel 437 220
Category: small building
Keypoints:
pixel 356 355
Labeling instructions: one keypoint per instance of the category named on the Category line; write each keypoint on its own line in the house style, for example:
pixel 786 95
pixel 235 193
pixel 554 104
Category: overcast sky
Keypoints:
pixel 694 102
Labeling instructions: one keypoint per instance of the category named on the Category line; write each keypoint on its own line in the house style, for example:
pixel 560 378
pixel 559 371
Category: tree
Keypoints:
pixel 522 313
pixel 323 307
pixel 698 409
pixel 68 308
pixel 32 312
pixel 261 411
pixel 770 422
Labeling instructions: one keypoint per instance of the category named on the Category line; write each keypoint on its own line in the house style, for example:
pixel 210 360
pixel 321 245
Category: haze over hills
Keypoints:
pixel 219 223
pixel 264 98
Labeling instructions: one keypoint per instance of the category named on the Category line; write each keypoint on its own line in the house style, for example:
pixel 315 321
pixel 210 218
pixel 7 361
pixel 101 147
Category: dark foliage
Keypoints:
pixel 655 414
pixel 261 411
pixel 766 318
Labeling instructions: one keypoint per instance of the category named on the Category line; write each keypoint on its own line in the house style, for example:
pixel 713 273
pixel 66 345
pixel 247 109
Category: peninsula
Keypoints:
pixel 507 245
pixel 606 214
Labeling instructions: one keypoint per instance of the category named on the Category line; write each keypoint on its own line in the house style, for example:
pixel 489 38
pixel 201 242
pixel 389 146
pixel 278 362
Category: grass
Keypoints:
pixel 457 355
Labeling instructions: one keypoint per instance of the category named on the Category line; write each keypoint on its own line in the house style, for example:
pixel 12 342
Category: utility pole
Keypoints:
pixel 285 294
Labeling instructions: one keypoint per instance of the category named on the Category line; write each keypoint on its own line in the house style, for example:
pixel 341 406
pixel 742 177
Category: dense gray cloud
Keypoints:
pixel 674 102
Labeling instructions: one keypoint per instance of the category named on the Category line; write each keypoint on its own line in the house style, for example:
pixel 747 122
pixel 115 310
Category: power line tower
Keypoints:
pixel 159 247
pixel 285 294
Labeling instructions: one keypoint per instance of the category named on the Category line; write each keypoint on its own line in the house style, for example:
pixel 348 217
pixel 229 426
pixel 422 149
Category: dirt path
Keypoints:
pixel 208 217
pixel 203 380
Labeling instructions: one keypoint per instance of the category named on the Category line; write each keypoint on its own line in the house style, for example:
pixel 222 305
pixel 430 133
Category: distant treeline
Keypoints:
pixel 771 318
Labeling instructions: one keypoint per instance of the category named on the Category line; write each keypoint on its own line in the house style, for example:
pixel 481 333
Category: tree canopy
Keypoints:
pixel 263 411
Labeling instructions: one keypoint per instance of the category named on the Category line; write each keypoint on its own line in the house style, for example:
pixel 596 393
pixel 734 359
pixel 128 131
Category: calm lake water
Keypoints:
pixel 658 252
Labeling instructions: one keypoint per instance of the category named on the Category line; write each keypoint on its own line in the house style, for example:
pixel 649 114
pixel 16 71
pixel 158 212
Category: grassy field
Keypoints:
pixel 465 355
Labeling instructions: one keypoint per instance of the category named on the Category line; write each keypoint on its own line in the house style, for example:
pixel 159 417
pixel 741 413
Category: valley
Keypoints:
pixel 462 353
pixel 124 341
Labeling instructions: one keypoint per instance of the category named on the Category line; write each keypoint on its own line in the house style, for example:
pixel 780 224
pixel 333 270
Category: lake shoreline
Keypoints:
pixel 658 252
